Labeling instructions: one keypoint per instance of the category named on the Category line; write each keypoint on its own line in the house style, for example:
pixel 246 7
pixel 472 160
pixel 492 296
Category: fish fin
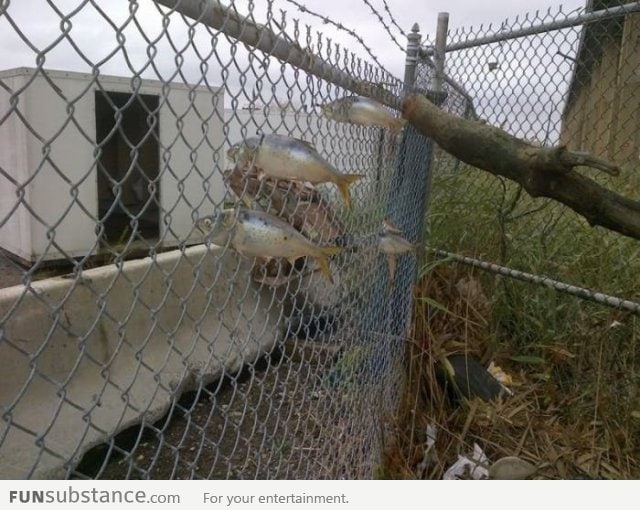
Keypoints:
pixel 308 145
pixel 243 255
pixel 323 259
pixel 390 227
pixel 329 251
pixel 323 262
pixel 391 263
pixel 343 184
pixel 396 126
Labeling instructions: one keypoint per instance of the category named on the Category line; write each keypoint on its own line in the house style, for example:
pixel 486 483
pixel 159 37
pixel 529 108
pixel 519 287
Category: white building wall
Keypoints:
pixel 15 229
pixel 51 155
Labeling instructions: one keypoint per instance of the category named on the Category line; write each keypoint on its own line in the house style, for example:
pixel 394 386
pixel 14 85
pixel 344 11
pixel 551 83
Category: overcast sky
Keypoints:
pixel 466 14
pixel 34 26
pixel 38 21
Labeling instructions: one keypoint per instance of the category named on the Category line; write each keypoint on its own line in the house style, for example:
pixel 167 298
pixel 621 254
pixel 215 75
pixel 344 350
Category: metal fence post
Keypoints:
pixel 406 202
pixel 411 61
pixel 417 151
pixel 438 95
pixel 440 49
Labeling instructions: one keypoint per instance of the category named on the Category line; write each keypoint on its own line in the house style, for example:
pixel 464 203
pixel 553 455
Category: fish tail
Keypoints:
pixel 343 184
pixel 323 259
pixel 397 125
pixel 390 227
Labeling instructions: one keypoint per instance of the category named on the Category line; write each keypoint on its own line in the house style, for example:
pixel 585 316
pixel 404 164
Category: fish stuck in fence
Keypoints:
pixel 260 234
pixel 300 205
pixel 392 244
pixel 363 111
pixel 290 159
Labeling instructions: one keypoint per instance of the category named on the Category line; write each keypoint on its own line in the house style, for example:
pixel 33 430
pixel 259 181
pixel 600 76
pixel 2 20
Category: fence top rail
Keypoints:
pixel 226 19
pixel 571 21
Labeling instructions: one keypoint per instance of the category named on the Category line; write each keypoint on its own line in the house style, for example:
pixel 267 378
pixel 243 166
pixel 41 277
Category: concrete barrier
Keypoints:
pixel 82 360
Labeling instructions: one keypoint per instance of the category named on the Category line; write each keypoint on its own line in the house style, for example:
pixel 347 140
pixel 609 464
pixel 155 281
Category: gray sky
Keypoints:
pixel 94 40
pixel 466 14
pixel 97 38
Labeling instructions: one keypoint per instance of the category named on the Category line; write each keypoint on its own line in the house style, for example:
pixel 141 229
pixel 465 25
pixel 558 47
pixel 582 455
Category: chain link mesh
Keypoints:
pixel 575 86
pixel 556 284
pixel 131 349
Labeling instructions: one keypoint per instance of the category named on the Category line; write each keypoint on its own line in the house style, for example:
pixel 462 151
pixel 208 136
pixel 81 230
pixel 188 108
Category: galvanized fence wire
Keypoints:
pixel 560 301
pixel 340 26
pixel 137 348
pixel 551 78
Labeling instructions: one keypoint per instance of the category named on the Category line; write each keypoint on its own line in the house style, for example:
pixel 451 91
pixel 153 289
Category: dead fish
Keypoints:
pixel 393 245
pixel 301 206
pixel 285 158
pixel 280 272
pixel 363 111
pixel 272 272
pixel 260 234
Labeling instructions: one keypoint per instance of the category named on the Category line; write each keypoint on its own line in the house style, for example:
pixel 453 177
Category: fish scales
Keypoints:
pixel 273 237
pixel 394 244
pixel 263 235
pixel 363 111
pixel 286 158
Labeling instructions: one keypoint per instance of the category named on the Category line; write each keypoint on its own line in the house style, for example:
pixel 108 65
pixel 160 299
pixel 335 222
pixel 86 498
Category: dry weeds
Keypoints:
pixel 569 414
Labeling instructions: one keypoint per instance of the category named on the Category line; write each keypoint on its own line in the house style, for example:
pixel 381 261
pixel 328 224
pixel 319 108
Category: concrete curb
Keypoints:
pixel 84 359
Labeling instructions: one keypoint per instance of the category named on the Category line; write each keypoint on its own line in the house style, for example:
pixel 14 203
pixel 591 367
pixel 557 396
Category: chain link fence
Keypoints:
pixel 549 78
pixel 136 347
pixel 560 291
pixel 131 345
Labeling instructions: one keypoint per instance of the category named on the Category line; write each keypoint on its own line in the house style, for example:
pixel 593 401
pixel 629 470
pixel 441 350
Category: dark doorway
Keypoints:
pixel 129 162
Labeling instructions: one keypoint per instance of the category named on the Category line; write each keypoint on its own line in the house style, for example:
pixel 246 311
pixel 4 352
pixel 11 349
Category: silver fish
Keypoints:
pixel 282 157
pixel 260 234
pixel 363 111
pixel 300 205
pixel 393 245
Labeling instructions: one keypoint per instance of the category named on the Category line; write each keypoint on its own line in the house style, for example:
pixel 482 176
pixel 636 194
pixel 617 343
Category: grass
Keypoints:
pixel 575 364
pixel 476 214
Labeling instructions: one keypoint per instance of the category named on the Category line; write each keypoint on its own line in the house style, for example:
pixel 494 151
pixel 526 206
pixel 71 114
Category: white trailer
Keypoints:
pixel 88 161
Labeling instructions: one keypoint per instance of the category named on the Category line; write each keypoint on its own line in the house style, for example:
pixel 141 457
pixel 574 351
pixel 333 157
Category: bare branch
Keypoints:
pixel 585 159
pixel 542 172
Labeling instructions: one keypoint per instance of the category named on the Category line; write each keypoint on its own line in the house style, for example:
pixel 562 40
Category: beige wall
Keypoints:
pixel 605 117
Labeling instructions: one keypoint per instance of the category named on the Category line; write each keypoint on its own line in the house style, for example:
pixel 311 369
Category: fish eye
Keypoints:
pixel 231 153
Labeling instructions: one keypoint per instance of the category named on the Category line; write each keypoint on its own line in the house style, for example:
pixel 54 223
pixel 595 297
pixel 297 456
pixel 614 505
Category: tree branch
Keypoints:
pixel 542 172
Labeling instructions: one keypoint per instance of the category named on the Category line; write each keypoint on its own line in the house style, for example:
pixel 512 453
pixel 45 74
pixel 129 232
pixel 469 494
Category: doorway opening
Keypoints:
pixel 129 165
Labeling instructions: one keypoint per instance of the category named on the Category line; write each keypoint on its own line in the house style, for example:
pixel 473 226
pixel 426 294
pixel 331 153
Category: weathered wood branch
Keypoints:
pixel 542 172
